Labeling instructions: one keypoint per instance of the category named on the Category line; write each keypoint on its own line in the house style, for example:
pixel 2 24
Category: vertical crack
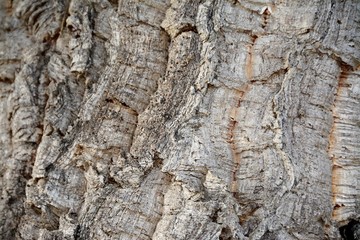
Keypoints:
pixel 278 140
pixel 337 179
pixel 249 59
pixel 232 140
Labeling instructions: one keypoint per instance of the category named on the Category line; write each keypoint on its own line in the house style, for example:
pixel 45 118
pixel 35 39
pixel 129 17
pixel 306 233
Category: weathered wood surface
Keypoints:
pixel 189 119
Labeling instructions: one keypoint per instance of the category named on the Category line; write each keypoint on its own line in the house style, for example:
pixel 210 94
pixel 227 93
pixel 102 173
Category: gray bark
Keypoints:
pixel 189 119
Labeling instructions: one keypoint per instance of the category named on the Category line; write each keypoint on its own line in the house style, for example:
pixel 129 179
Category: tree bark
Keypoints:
pixel 191 119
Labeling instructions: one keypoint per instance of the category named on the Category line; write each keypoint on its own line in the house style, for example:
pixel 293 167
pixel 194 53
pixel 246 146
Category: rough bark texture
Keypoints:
pixel 181 119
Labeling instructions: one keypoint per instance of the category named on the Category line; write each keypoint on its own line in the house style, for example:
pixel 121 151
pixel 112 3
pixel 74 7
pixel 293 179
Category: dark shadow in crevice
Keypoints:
pixel 351 231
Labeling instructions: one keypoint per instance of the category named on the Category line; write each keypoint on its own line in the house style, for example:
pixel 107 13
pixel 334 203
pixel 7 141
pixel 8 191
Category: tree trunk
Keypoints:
pixel 182 119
